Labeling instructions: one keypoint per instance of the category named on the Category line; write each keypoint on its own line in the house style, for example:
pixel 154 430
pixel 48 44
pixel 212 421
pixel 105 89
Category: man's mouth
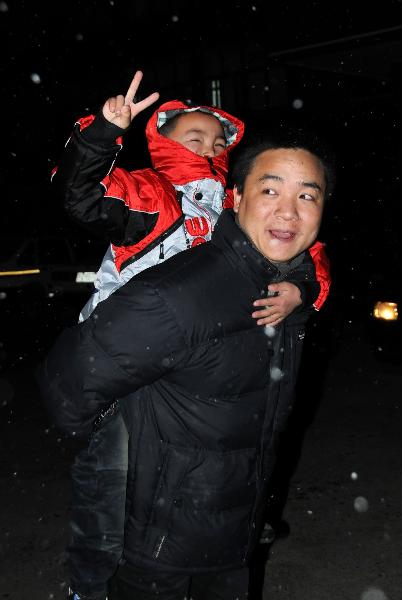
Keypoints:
pixel 282 235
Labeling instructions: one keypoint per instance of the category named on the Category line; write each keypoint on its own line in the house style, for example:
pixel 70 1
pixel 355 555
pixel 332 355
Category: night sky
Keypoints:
pixel 65 59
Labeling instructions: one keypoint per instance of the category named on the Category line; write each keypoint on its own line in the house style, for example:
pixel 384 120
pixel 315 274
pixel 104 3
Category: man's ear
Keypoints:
pixel 236 199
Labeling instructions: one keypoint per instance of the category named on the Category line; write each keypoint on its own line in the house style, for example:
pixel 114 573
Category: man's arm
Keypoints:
pixel 130 340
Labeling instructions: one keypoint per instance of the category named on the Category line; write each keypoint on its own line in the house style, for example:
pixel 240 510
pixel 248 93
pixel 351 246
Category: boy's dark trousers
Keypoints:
pixel 131 583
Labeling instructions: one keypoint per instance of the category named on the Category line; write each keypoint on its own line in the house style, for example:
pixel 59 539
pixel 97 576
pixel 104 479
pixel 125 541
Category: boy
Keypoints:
pixel 151 214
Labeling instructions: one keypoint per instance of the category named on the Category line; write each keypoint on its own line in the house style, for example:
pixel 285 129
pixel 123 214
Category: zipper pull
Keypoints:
pixel 211 164
pixel 161 252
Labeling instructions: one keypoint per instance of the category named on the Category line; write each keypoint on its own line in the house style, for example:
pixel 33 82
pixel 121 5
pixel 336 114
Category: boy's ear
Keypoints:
pixel 236 199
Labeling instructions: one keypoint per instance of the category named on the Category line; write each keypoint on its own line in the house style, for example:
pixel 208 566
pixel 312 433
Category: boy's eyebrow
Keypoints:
pixel 311 184
pixel 202 131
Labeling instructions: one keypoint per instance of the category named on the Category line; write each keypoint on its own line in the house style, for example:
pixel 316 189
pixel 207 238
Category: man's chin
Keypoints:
pixel 281 257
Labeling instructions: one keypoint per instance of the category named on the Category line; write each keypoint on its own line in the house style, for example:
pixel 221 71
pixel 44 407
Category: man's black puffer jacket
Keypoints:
pixel 197 414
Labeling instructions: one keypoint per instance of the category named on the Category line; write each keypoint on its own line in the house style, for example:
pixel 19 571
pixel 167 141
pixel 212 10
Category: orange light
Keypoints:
pixel 388 311
pixel 24 272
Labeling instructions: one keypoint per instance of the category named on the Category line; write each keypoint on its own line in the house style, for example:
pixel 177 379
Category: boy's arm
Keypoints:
pixel 284 297
pixel 322 272
pixel 77 180
pixel 80 179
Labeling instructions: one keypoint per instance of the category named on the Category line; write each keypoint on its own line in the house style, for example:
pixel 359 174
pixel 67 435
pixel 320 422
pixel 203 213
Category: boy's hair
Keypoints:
pixel 296 138
pixel 170 125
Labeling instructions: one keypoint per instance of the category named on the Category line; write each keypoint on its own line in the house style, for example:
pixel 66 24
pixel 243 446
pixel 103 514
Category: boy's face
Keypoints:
pixel 200 133
pixel 281 206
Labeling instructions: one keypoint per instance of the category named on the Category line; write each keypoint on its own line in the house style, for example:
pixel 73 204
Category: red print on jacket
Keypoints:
pixel 197 227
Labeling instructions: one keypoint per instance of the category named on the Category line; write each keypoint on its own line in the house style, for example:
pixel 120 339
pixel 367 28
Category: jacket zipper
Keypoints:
pixel 158 547
pixel 211 165
pixel 157 241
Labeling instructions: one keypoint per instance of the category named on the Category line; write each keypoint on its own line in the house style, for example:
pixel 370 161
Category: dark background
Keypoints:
pixel 341 65
pixel 329 65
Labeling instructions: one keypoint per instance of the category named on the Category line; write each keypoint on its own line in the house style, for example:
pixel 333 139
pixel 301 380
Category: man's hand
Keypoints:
pixel 121 110
pixel 278 307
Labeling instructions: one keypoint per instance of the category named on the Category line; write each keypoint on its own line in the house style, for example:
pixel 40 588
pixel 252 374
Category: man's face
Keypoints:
pixel 201 133
pixel 281 206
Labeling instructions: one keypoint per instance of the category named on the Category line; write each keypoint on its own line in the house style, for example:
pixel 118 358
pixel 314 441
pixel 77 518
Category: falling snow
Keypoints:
pixel 297 103
pixel 373 593
pixel 276 374
pixel 269 331
pixel 35 78
pixel 361 504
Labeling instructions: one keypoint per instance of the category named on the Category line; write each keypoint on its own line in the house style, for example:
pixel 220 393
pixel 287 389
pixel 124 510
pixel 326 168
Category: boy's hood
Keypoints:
pixel 179 164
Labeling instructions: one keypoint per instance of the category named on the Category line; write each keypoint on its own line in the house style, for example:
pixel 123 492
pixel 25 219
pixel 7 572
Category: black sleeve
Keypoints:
pixel 87 159
pixel 309 291
pixel 129 341
pixel 304 277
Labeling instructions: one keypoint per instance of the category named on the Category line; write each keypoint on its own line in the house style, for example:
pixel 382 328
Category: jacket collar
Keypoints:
pixel 240 251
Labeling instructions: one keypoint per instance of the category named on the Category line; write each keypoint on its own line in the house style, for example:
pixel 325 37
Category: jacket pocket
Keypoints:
pixel 149 520
pixel 201 509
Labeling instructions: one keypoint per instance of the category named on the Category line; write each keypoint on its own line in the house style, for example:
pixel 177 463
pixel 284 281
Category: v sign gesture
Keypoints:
pixel 121 110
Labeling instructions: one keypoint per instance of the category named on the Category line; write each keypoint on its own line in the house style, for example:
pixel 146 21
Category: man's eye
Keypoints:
pixel 268 191
pixel 308 197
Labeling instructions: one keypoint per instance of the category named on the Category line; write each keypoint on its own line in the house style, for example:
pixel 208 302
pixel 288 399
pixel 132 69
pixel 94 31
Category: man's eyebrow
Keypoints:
pixel 269 176
pixel 311 184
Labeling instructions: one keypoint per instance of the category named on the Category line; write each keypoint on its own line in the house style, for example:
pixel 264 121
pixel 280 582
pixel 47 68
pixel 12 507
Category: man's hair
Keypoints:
pixel 294 138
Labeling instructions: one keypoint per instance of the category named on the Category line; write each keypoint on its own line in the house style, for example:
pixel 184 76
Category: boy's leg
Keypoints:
pixel 99 476
pixel 132 583
pixel 224 585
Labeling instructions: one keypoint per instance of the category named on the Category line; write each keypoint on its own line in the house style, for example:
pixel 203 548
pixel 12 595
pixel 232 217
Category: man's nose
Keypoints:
pixel 287 208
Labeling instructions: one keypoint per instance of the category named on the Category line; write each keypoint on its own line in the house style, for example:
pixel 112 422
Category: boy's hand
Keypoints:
pixel 276 308
pixel 121 110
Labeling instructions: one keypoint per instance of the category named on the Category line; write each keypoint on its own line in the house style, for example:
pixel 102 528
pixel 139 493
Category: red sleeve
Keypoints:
pixel 321 263
pixel 228 200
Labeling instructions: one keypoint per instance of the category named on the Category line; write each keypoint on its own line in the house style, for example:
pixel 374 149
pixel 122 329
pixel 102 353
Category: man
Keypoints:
pixel 185 445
